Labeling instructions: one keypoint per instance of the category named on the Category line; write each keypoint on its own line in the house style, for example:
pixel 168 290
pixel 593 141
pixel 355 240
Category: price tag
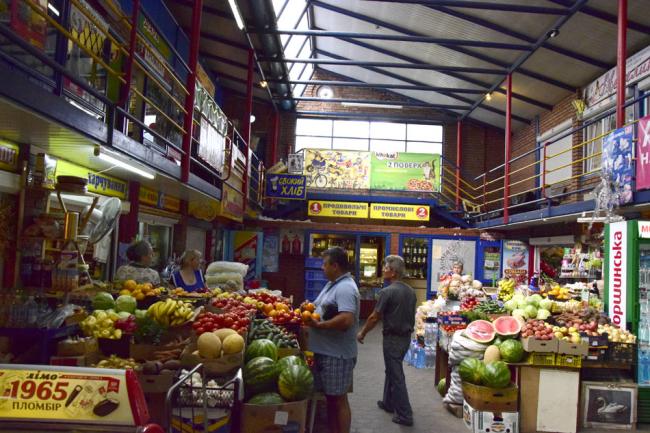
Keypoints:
pixel 281 417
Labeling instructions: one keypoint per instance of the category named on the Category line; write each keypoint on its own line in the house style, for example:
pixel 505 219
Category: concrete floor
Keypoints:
pixel 428 412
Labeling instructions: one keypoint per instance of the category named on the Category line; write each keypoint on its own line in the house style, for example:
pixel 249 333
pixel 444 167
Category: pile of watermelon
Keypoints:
pixel 495 374
pixel 269 380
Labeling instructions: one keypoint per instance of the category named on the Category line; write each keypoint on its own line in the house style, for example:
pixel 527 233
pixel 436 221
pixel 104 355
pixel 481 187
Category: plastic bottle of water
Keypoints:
pixel 411 354
pixel 430 354
pixel 408 356
pixel 644 364
pixel 421 358
pixel 430 331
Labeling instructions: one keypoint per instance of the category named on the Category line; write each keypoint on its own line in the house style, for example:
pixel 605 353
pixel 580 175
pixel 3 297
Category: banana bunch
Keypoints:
pixel 170 312
pixel 506 289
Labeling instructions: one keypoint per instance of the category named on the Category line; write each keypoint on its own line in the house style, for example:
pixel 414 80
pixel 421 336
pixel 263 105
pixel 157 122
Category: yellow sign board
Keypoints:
pixel 408 212
pixel 337 209
pixel 98 183
pixel 60 395
pixel 8 156
pixel 160 200
pixel 232 204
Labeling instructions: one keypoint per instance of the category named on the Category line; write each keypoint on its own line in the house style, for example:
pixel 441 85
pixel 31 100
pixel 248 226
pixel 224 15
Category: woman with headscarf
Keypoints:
pixel 189 277
pixel 140 255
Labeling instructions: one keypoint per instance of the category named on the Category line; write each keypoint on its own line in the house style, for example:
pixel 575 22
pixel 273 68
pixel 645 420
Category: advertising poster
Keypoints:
pixel 515 261
pixel 62 396
pixel 617 161
pixel 270 253
pixel 337 169
pixel 245 251
pixel 643 154
pixel 26 22
pixel 211 145
pixel 286 186
pixel 405 171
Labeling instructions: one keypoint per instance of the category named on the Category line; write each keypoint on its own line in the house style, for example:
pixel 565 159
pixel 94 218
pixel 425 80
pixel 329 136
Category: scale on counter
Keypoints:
pixel 43 398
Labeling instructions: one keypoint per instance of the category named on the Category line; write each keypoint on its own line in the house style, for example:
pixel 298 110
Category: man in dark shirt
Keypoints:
pixel 396 309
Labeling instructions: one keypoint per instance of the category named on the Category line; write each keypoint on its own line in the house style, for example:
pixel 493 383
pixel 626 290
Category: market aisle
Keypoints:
pixel 429 415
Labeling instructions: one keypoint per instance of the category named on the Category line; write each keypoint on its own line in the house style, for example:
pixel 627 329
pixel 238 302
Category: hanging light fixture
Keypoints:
pixel 488 96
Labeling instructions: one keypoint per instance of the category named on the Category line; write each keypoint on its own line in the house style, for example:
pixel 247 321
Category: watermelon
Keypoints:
pixel 511 351
pixel 261 347
pixel 441 386
pixel 103 301
pixel 471 370
pixel 480 331
pixel 496 374
pixel 267 398
pixel 507 326
pixel 497 341
pixel 288 361
pixel 296 383
pixel 260 375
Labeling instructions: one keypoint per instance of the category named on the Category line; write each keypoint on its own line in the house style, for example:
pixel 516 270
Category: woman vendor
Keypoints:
pixel 140 255
pixel 189 277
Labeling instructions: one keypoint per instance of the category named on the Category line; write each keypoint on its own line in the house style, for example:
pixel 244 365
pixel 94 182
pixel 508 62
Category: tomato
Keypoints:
pixel 200 330
pixel 228 322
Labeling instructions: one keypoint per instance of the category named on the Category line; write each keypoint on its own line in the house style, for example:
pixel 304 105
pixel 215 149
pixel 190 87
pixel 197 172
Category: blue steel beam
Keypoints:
pixel 606 16
pixel 400 38
pixel 484 5
pixel 396 65
pixel 470 53
pixel 521 36
pixel 474 81
pixel 558 24
pixel 408 80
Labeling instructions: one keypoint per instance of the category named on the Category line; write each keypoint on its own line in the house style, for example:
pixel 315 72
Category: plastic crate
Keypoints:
pixel 313 262
pixel 571 361
pixel 311 295
pixel 315 275
pixel 625 353
pixel 540 358
pixel 315 284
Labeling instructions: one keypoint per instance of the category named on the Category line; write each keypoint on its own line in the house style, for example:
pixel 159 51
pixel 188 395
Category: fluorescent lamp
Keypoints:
pixel 367 105
pixel 54 10
pixel 126 166
pixel 612 219
pixel 236 13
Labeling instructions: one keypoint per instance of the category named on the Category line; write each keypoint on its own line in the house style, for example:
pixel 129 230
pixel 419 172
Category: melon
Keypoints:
pixel 262 347
pixel 232 344
pixel 224 332
pixel 480 331
pixel 507 326
pixel 491 354
pixel 496 374
pixel 471 370
pixel 209 345
pixel 295 383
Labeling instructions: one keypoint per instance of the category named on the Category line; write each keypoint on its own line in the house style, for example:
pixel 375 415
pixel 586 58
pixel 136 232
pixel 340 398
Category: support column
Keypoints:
pixel 190 84
pixel 273 157
pixel 129 222
pixel 61 51
pixel 621 57
pixel 508 133
pixel 246 124
pixel 459 141
pixel 125 89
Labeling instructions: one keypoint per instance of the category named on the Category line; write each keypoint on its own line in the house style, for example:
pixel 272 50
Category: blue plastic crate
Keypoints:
pixel 315 284
pixel 314 262
pixel 311 295
pixel 315 275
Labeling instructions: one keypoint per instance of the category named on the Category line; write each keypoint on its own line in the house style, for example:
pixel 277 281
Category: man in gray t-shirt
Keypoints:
pixel 396 309
pixel 333 338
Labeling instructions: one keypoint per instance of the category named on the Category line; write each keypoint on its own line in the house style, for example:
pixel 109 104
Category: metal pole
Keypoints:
pixel 125 89
pixel 274 139
pixel 506 178
pixel 246 124
pixel 621 57
pixel 544 170
pixel 188 118
pixel 459 140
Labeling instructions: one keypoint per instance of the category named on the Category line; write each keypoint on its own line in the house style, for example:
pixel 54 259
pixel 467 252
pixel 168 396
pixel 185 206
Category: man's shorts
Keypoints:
pixel 333 376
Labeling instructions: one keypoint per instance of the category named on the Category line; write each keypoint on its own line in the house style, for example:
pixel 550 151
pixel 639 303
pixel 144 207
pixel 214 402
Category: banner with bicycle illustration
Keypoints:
pixel 337 169
pixel 400 171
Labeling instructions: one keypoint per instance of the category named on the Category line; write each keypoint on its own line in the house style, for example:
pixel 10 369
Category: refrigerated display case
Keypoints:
pixel 415 252
pixel 371 254
pixel 488 257
pixel 627 280
pixel 159 233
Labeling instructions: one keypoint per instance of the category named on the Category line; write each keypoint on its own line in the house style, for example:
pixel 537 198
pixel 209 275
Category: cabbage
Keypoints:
pixel 123 315
pixel 546 304
pixel 103 301
pixel 530 311
pixel 510 305
pixel 140 314
pixel 522 303
pixel 534 299
pixel 126 303
pixel 519 313
pixel 518 297
pixel 543 314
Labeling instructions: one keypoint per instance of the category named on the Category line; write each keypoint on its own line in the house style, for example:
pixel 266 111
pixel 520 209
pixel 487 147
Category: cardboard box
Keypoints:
pixel 483 398
pixel 288 351
pixel 143 352
pixel 212 367
pixel 274 418
pixel 489 422
pixel 155 383
pixel 569 348
pixel 194 420
pixel 533 345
